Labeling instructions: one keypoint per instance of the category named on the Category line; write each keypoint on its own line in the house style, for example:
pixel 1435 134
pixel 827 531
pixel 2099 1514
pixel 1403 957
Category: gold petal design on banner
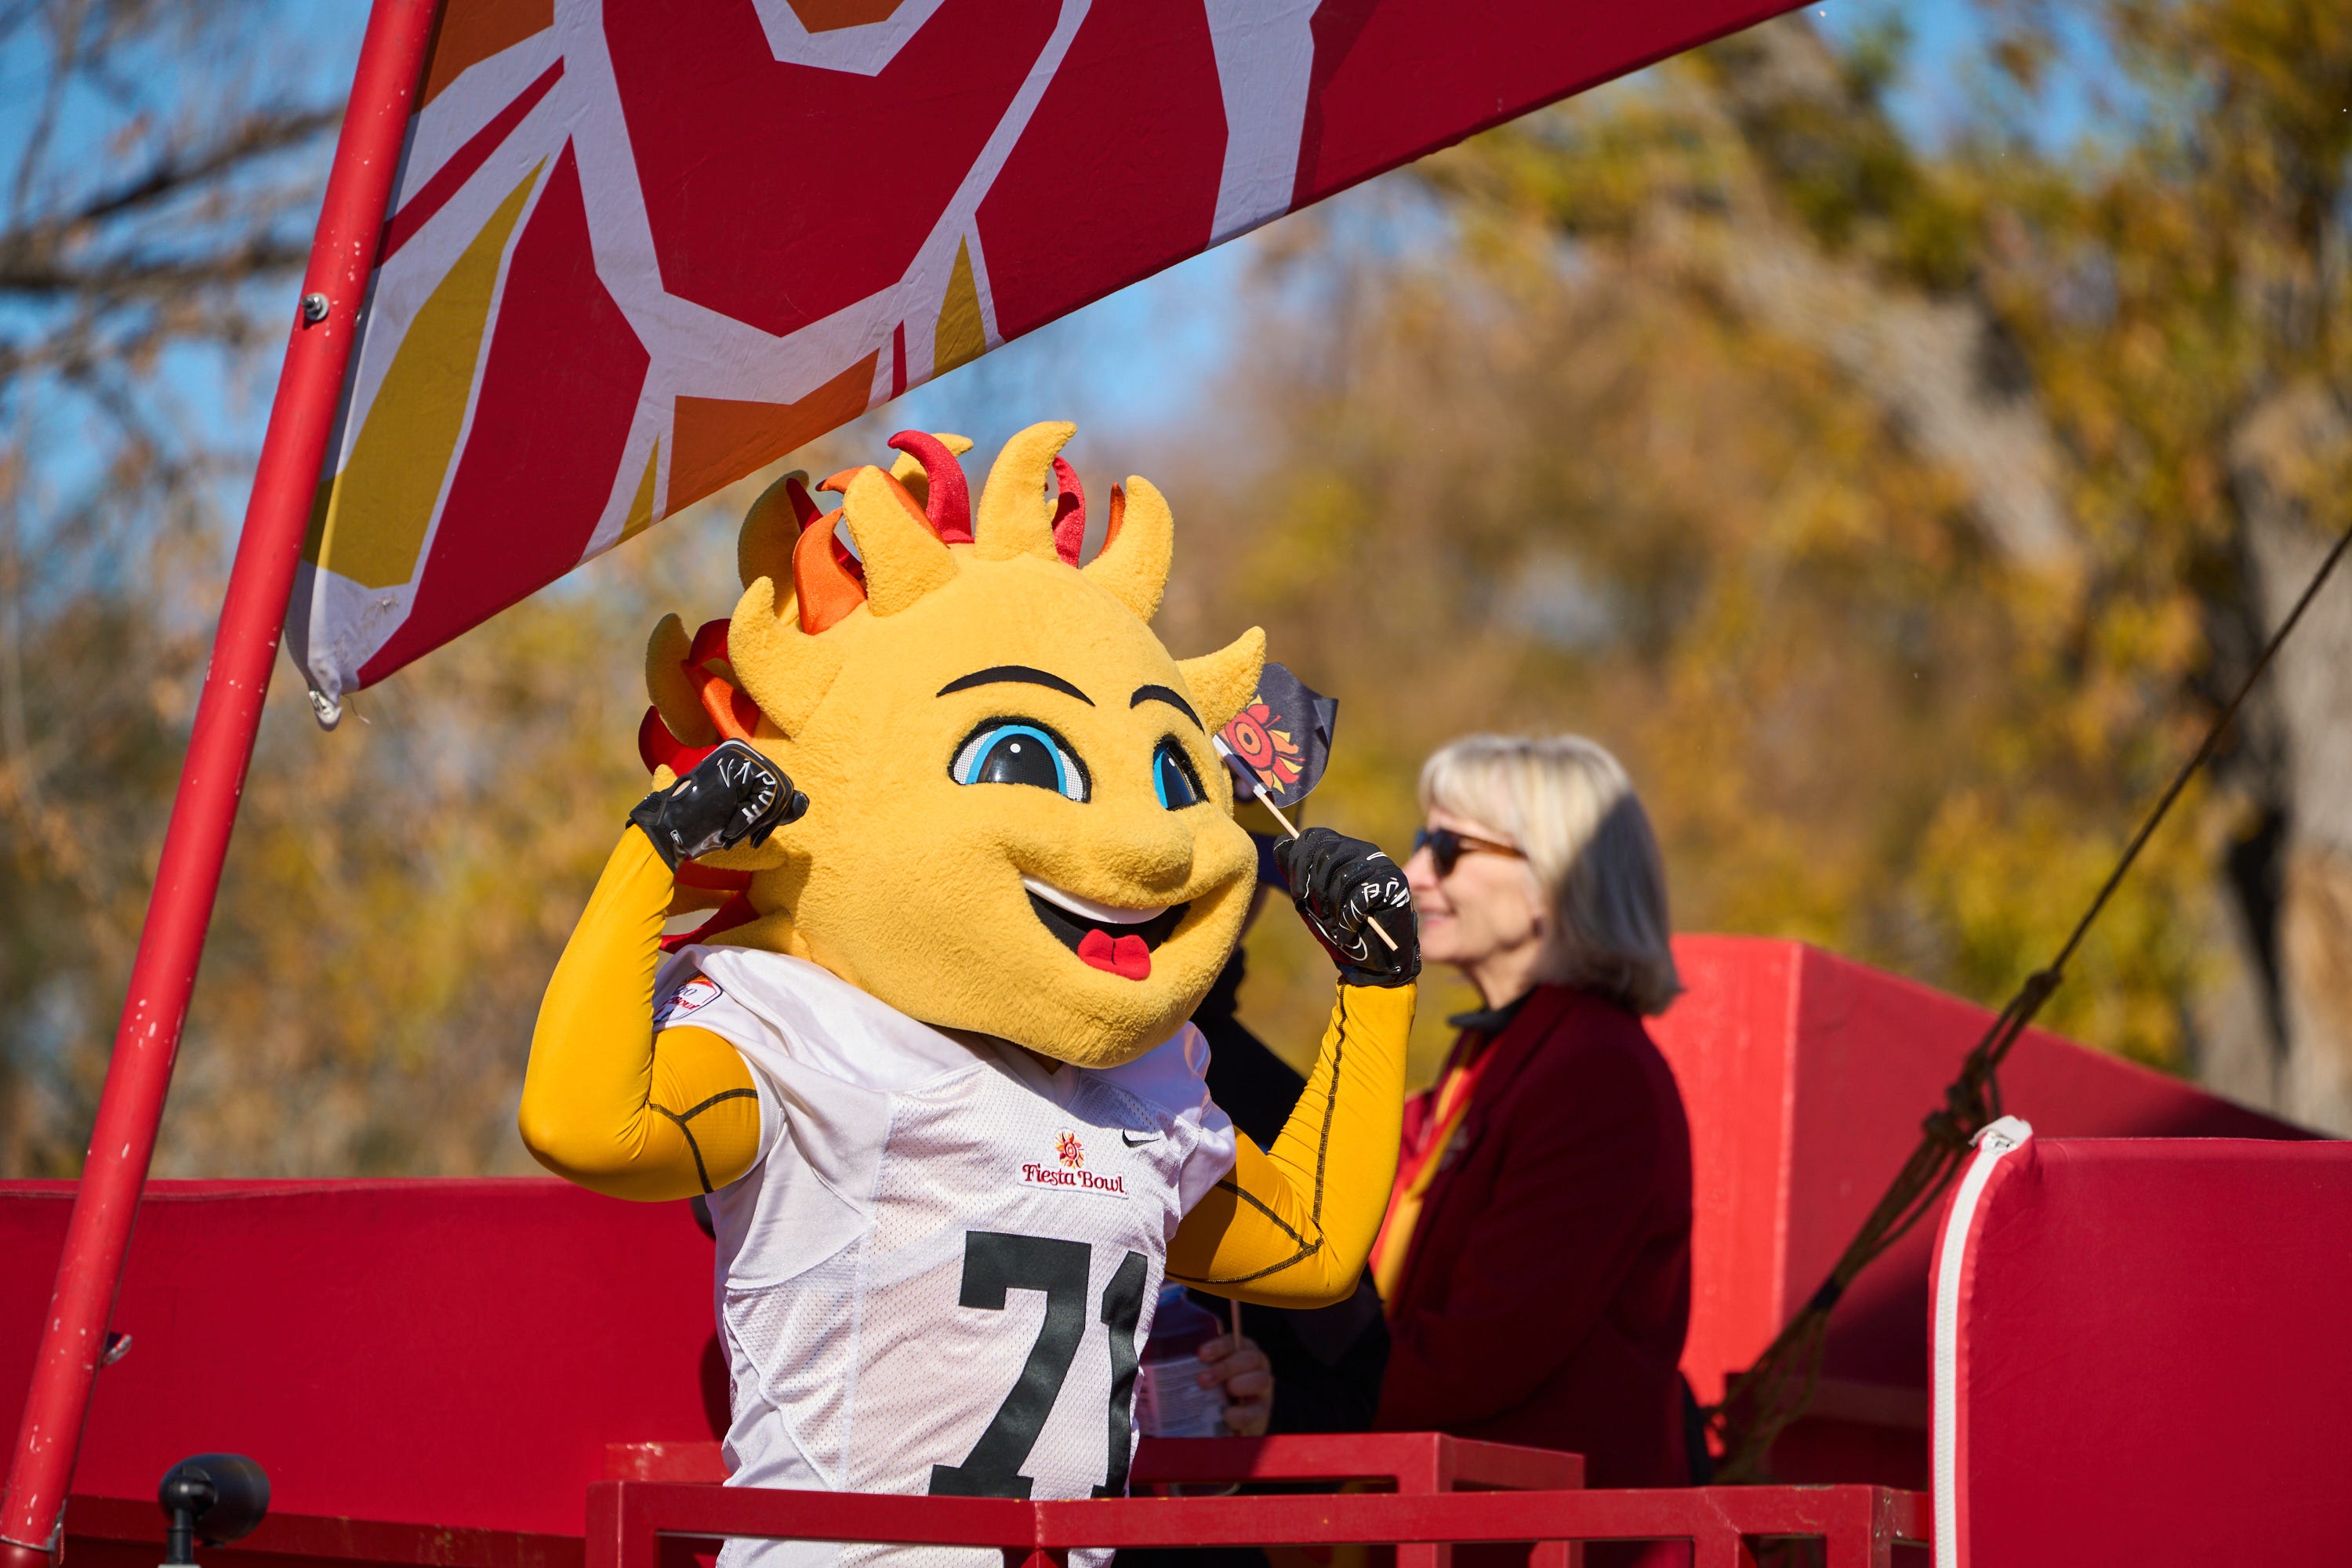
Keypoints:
pixel 382 503
pixel 959 336
pixel 641 510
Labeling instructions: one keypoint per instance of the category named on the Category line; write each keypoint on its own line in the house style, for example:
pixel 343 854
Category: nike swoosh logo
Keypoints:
pixel 1133 1141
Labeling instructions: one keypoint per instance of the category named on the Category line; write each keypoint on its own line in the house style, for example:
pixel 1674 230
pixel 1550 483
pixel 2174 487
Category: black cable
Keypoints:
pixel 1756 1405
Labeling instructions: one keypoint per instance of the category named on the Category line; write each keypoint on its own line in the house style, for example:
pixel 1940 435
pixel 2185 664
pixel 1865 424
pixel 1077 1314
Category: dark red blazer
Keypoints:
pixel 1547 1291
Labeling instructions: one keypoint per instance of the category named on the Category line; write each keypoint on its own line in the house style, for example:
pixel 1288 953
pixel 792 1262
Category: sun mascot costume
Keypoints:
pixel 973 862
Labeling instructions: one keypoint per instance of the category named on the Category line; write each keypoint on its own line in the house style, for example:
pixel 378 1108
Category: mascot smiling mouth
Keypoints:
pixel 1116 941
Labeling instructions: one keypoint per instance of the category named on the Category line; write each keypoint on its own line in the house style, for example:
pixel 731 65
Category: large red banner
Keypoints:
pixel 638 249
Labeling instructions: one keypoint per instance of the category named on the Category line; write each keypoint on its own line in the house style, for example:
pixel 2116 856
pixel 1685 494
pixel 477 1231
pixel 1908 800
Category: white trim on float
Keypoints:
pixel 1994 1143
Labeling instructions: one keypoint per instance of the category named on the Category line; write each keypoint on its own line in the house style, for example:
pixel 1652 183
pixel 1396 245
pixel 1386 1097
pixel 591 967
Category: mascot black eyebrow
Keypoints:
pixel 974 865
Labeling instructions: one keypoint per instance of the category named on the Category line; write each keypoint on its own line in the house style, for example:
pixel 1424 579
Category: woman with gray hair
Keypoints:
pixel 1535 1264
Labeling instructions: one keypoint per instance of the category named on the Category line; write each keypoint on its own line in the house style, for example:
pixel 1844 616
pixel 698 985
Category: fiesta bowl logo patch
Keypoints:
pixel 1069 1171
pixel 693 996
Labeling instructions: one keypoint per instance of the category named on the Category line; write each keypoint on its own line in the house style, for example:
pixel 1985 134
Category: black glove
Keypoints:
pixel 732 795
pixel 1340 886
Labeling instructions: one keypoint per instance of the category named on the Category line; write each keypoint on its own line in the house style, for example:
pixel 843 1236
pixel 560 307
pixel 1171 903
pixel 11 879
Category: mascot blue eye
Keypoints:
pixel 1173 779
pixel 1012 751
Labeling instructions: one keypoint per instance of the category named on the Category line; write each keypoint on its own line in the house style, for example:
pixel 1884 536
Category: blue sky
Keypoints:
pixel 1149 356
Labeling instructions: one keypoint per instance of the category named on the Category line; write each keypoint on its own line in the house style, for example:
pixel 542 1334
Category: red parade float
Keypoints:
pixel 2106 1344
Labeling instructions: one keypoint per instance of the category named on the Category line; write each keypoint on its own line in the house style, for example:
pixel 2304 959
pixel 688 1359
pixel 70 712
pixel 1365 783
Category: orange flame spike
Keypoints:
pixel 1118 515
pixel 821 581
pixel 735 716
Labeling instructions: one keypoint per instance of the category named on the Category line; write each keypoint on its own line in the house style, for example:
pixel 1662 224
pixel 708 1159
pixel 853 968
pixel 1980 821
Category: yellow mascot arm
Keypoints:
pixel 608 1103
pixel 1293 1225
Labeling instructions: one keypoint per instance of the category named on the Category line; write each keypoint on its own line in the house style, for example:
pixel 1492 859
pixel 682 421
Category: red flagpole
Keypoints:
pixel 220 748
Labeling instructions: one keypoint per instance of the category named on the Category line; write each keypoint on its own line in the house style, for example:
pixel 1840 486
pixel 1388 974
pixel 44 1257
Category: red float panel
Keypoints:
pixel 455 1353
pixel 1806 1076
pixel 461 1352
pixel 2141 1350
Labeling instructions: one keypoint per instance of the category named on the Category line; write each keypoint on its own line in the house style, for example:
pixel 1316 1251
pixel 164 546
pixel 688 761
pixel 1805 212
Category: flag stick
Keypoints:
pixel 1266 801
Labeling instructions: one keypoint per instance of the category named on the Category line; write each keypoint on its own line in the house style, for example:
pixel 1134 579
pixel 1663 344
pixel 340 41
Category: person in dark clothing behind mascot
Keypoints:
pixel 1536 1261
pixel 1327 1362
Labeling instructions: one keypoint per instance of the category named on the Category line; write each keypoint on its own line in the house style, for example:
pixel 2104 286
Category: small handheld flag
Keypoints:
pixel 1280 742
pixel 1277 746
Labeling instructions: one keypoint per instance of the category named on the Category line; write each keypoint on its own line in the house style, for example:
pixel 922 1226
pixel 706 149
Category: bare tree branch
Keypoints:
pixel 33 256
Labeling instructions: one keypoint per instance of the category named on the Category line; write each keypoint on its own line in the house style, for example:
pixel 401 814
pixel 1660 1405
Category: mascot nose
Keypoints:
pixel 1159 857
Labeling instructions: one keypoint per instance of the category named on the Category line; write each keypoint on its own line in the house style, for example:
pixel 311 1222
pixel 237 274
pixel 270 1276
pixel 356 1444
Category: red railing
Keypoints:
pixel 628 1520
pixel 1407 1461
pixel 1446 1493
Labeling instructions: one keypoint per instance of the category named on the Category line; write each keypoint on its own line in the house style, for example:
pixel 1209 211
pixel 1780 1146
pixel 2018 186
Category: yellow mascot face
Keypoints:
pixel 1016 824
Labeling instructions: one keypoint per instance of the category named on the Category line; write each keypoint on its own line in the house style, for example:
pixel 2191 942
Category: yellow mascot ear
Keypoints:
pixel 764 546
pixel 904 559
pixel 783 669
pixel 780 667
pixel 1136 552
pixel 1222 683
pixel 909 469
pixel 672 694
pixel 1015 518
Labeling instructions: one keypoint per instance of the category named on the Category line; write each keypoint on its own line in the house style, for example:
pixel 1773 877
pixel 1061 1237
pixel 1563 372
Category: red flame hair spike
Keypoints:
pixel 710 879
pixel 738 910
pixel 733 714
pixel 709 642
pixel 657 748
pixel 1069 512
pixel 804 507
pixel 948 505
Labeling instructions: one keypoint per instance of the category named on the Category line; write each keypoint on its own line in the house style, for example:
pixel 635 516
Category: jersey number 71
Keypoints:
pixel 995 1263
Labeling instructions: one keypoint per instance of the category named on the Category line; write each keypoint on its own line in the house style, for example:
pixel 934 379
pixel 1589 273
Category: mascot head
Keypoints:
pixel 1017 824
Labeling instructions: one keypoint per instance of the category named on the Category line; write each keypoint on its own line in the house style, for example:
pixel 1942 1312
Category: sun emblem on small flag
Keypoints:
pixel 1073 1154
pixel 1271 753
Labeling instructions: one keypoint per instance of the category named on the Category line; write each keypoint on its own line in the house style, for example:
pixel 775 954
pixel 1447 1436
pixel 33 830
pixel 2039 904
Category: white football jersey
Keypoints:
pixel 939 1274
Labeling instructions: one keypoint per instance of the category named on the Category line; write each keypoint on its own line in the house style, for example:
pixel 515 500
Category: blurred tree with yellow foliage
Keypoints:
pixel 1897 511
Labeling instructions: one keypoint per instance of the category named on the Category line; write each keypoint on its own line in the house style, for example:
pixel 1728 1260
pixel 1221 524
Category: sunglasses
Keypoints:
pixel 1446 848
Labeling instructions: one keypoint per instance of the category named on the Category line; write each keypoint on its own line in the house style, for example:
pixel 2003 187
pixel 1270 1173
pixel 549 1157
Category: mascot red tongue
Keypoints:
pixel 1125 957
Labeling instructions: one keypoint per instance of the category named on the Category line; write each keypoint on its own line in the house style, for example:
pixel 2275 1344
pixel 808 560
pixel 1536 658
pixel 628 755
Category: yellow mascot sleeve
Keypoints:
pixel 1293 1225
pixel 607 1102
